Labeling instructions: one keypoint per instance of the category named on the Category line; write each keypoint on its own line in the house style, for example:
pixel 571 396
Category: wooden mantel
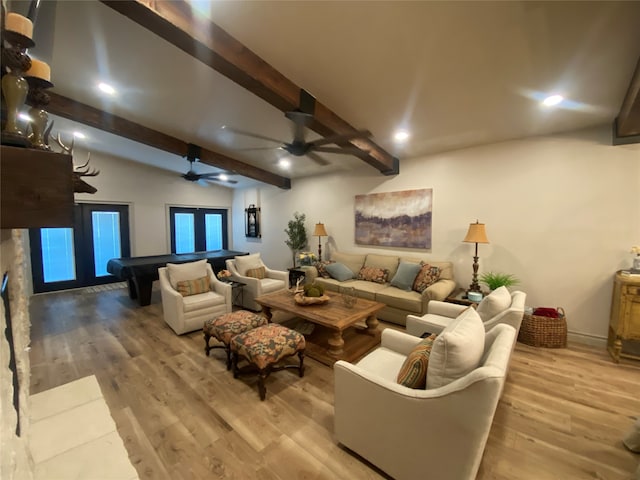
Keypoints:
pixel 36 188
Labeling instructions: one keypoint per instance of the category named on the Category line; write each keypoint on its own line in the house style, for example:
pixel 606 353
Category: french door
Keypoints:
pixel 63 258
pixel 197 229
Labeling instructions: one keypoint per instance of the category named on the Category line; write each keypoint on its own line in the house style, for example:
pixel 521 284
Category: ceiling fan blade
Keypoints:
pixel 340 137
pixel 222 181
pixel 217 177
pixel 254 135
pixel 318 159
pixel 255 148
pixel 344 151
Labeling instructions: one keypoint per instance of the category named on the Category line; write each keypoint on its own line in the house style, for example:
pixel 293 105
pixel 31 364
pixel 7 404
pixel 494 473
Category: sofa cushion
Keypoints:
pixel 494 303
pixel 446 268
pixel 427 276
pixel 196 303
pixel 193 287
pixel 259 272
pixel 457 350
pixel 410 301
pixel 365 289
pixel 374 274
pixel 405 275
pixel 339 271
pixel 353 261
pixel 388 262
pixel 179 272
pixel 413 373
pixel 246 262
pixel 321 267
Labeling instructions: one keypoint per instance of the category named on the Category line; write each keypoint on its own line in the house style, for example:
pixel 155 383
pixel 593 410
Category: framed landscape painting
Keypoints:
pixel 394 219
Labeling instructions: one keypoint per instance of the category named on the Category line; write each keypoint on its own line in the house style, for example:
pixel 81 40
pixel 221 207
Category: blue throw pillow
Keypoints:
pixel 339 271
pixel 406 274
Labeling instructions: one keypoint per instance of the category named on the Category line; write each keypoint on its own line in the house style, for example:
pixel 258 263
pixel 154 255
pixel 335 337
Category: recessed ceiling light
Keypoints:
pixel 401 136
pixel 552 100
pixel 106 88
pixel 284 163
pixel 79 135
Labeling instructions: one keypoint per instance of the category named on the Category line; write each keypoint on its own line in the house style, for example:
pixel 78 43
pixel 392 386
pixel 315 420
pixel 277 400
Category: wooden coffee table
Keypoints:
pixel 338 338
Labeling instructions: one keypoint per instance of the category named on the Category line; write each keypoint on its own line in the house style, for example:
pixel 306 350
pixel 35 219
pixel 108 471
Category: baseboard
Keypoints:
pixel 586 339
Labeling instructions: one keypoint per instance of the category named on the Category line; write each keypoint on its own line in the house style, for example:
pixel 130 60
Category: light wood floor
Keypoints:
pixel 183 416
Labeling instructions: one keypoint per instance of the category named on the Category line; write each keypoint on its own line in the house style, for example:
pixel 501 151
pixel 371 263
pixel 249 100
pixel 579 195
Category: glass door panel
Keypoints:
pixel 58 258
pixel 64 258
pixel 185 236
pixel 213 231
pixel 106 240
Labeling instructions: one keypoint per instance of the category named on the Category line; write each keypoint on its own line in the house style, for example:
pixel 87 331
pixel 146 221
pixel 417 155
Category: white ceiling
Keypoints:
pixel 455 74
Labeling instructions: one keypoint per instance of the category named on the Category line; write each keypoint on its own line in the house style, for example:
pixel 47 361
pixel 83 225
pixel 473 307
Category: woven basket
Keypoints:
pixel 300 299
pixel 547 332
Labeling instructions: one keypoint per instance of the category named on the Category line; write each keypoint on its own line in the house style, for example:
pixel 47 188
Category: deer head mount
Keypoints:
pixel 79 171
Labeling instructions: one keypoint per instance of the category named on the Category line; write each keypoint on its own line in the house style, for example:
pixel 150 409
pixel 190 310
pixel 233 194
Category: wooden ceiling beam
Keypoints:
pixel 627 124
pixel 79 112
pixel 202 39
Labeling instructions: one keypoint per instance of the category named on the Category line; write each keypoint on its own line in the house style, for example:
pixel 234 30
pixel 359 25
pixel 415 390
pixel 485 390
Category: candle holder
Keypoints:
pixel 38 99
pixel 14 87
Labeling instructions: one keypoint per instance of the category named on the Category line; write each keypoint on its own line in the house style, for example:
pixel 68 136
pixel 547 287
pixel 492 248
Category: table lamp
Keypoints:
pixel 476 234
pixel 320 232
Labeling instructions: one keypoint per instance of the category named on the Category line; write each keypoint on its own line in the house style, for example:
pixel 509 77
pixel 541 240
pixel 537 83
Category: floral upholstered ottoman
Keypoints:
pixel 226 326
pixel 263 348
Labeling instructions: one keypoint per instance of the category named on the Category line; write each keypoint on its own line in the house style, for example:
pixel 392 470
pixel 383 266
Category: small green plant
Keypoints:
pixel 297 234
pixel 495 280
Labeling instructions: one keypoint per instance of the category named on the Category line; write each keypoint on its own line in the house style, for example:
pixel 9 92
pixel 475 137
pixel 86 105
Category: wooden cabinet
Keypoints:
pixel 36 188
pixel 624 324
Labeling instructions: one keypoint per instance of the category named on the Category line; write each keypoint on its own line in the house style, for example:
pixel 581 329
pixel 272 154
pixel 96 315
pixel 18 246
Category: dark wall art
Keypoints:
pixel 394 219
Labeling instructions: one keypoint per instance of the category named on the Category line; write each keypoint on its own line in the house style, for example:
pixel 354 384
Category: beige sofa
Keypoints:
pixel 399 303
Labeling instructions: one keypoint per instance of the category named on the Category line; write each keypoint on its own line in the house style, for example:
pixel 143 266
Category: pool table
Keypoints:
pixel 140 272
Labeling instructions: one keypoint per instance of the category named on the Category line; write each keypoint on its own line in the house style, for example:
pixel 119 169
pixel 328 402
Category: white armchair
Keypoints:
pixel 500 306
pixel 188 313
pixel 258 279
pixel 438 432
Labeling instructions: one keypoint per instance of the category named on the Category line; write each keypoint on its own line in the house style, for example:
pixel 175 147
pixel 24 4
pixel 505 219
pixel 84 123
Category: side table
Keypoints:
pixel 294 274
pixel 459 297
pixel 237 292
pixel 624 322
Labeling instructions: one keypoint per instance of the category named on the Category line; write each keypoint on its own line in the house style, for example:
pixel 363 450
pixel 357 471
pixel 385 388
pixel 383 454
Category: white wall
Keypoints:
pixel 149 192
pixel 561 213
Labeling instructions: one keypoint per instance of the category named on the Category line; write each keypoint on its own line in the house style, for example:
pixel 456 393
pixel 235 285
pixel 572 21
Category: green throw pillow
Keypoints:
pixel 339 271
pixel 406 274
pixel 413 373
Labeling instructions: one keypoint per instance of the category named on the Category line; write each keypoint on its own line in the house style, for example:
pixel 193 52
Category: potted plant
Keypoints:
pixel 297 235
pixel 495 280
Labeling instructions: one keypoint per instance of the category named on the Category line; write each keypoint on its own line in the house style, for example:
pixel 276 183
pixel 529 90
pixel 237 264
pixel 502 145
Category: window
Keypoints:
pixel 198 229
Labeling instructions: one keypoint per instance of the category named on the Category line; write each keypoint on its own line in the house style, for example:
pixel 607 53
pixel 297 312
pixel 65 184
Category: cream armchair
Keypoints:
pixel 500 306
pixel 437 433
pixel 188 313
pixel 258 279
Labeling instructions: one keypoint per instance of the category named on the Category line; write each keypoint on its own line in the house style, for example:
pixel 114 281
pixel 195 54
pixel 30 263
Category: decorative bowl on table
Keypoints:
pixel 474 296
pixel 301 299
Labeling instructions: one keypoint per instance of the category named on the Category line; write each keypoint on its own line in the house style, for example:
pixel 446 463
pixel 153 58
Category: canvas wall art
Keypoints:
pixel 394 219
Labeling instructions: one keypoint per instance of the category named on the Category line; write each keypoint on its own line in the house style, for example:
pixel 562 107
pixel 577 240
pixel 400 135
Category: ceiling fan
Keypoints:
pixel 299 147
pixel 193 153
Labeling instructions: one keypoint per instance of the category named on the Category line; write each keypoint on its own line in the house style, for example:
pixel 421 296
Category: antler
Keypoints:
pixel 84 170
pixel 68 150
